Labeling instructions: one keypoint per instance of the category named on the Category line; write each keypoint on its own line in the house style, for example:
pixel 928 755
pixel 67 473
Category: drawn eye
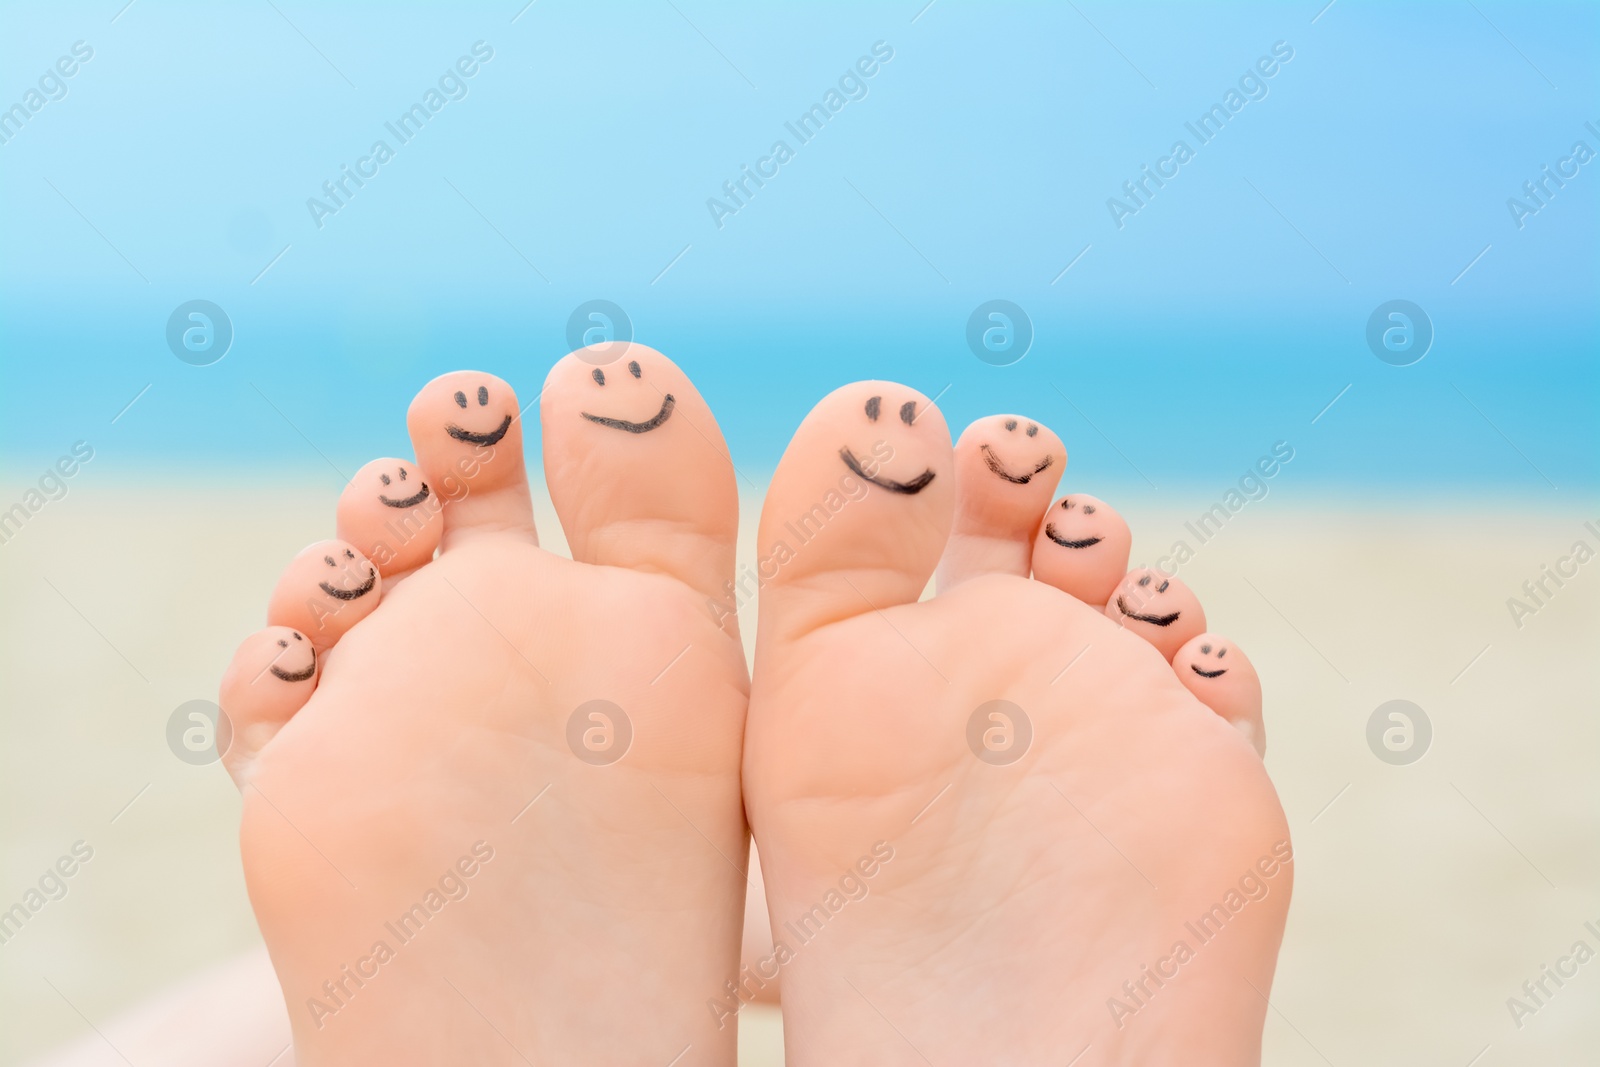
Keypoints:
pixel 1162 588
pixel 599 376
pixel 873 407
pixel 1088 509
pixel 908 412
pixel 633 368
pixel 328 560
pixel 1145 580
pixel 461 399
pixel 1205 650
pixel 384 478
pixel 282 643
pixel 351 555
pixel 483 395
pixel 1032 430
pixel 1011 424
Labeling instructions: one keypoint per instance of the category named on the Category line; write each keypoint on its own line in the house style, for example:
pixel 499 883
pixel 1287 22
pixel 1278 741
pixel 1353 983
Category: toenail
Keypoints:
pixel 999 732
pixel 599 732
pixel 199 732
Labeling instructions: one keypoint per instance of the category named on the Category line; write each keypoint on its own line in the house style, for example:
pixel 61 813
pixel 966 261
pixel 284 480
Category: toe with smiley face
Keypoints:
pixel 1082 548
pixel 1006 469
pixel 637 468
pixel 864 503
pixel 1162 610
pixel 287 647
pixel 391 515
pixel 326 589
pixel 1222 677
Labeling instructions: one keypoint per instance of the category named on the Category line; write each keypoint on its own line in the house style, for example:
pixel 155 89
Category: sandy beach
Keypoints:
pixel 1427 893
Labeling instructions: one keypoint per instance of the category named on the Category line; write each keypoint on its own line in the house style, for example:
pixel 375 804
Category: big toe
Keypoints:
pixel 638 471
pixel 1006 468
pixel 860 507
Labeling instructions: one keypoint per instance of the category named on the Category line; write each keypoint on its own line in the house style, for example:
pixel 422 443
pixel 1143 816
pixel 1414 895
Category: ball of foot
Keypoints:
pixel 1222 677
pixel 1082 548
pixel 1160 609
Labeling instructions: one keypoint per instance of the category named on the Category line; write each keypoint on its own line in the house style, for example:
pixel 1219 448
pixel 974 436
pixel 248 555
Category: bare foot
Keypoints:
pixel 491 801
pixel 995 826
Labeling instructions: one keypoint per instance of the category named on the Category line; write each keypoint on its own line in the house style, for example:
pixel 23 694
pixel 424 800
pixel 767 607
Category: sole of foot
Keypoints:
pixel 492 808
pixel 998 825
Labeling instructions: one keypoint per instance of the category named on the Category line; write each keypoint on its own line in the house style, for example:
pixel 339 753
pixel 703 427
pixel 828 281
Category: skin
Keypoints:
pixel 432 740
pixel 1020 895
pixel 1082 548
pixel 1222 677
pixel 400 535
pixel 1159 608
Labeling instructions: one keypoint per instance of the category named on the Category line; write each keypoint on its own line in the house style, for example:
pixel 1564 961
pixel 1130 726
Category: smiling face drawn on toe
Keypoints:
pixel 1053 529
pixel 668 403
pixel 1222 677
pixel 399 480
pixel 476 437
pixel 1159 608
pixel 909 487
pixel 999 467
pixel 348 594
pixel 293 676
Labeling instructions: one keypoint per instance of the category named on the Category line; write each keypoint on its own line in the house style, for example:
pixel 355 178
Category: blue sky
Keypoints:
pixel 577 163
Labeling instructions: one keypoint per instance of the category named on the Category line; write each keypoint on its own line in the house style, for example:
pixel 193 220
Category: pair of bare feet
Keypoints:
pixel 495 800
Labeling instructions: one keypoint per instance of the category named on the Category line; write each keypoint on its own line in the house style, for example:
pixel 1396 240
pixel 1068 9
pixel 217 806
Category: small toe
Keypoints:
pixel 1082 548
pixel 466 430
pixel 391 515
pixel 273 673
pixel 1158 608
pixel 326 589
pixel 1006 469
pixel 1222 677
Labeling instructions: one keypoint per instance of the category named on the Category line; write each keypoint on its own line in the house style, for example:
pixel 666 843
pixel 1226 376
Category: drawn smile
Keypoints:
pixel 1050 532
pixel 1218 673
pixel 667 404
pixel 366 587
pixel 1000 468
pixel 490 438
pixel 415 499
pixel 914 486
pixel 1153 620
pixel 295 676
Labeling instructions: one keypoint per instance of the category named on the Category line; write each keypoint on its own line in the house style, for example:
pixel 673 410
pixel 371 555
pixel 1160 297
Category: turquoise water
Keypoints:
pixel 1178 331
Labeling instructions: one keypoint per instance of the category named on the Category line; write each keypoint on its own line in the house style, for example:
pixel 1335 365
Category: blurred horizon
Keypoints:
pixel 1170 346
